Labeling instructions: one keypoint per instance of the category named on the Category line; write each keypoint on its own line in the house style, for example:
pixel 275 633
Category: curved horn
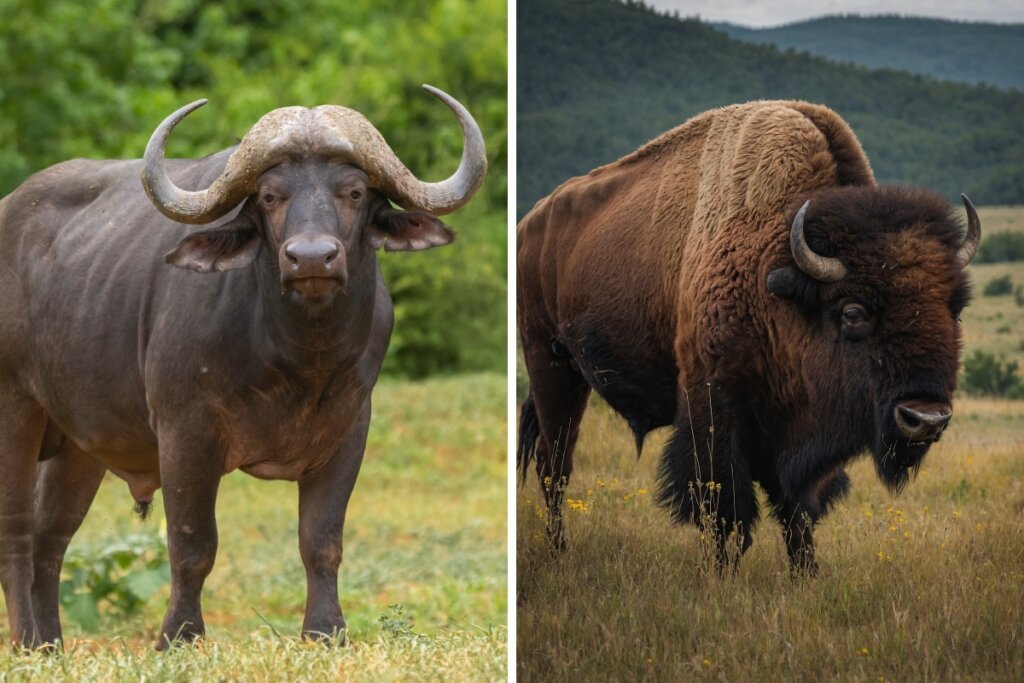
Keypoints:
pixel 821 268
pixel 267 143
pixel 973 238
pixel 170 199
pixel 357 139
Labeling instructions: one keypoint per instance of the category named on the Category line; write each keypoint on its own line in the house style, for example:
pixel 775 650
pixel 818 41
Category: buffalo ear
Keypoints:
pixel 231 246
pixel 783 282
pixel 399 230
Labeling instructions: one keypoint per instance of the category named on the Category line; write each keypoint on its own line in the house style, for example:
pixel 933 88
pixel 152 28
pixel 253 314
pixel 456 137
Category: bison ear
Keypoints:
pixel 399 230
pixel 783 282
pixel 231 246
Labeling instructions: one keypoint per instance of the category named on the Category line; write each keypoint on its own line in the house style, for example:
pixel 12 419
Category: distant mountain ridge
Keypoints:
pixel 947 50
pixel 598 78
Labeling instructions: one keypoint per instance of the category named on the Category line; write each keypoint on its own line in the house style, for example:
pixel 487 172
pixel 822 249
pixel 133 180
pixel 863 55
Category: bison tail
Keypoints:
pixel 529 432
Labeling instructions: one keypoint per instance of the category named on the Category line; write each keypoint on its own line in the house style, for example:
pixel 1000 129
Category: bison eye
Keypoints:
pixel 856 322
pixel 854 313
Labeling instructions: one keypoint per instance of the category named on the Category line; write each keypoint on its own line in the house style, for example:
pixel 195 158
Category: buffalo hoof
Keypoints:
pixel 335 637
pixel 186 635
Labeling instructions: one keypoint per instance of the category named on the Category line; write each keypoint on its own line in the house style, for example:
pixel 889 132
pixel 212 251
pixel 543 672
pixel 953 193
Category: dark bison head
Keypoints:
pixel 880 281
pixel 316 187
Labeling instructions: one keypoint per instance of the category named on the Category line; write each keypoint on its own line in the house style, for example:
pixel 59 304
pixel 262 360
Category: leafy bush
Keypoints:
pixel 998 286
pixel 117 577
pixel 988 375
pixel 1001 246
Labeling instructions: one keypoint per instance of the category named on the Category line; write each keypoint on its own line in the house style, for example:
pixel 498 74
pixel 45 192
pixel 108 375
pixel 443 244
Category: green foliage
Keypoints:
pixel 985 374
pixel 998 286
pixel 596 79
pixel 68 91
pixel 396 625
pixel 115 578
pixel 946 50
pixel 1001 246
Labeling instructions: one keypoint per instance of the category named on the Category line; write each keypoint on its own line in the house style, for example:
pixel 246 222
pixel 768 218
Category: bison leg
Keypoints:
pixel 323 499
pixel 799 518
pixel 704 473
pixel 190 495
pixel 551 418
pixel 65 487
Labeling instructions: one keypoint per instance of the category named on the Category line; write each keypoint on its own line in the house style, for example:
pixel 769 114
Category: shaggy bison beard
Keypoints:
pixel 793 457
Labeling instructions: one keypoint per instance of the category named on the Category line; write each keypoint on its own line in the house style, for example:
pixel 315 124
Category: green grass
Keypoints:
pixel 925 586
pixel 426 530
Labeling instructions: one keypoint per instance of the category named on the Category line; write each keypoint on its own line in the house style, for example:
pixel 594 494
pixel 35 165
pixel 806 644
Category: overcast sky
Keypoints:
pixel 765 13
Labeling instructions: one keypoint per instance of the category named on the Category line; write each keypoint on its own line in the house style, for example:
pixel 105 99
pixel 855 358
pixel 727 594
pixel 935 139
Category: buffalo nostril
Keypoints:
pixel 922 425
pixel 331 254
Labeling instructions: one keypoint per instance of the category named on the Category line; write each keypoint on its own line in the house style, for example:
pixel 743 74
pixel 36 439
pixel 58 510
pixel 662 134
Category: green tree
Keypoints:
pixel 93 80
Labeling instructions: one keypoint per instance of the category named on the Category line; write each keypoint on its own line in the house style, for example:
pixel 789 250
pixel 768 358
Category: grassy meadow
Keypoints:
pixel 926 586
pixel 423 584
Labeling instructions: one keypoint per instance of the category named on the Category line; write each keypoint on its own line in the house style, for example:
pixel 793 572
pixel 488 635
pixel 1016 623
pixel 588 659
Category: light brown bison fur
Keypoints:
pixel 647 280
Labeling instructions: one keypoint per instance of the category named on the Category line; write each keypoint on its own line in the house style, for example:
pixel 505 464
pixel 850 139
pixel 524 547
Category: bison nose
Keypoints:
pixel 922 422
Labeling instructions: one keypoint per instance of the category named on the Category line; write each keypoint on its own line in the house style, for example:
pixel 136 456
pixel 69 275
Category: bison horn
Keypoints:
pixel 331 131
pixel 821 268
pixel 973 237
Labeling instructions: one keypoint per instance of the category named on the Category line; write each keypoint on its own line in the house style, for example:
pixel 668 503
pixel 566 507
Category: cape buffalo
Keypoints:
pixel 110 360
pixel 743 279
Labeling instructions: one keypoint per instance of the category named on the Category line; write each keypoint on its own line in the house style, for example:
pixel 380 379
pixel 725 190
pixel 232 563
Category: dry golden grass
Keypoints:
pixel 926 586
pixel 1000 219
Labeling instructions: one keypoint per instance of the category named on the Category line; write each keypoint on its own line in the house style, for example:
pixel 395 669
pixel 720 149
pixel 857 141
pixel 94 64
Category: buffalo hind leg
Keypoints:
pixel 704 477
pixel 798 519
pixel 22 423
pixel 190 478
pixel 65 487
pixel 323 499
pixel 549 427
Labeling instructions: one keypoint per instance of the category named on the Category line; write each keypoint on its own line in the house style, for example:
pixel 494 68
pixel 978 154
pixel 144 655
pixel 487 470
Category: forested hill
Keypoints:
pixel 597 78
pixel 947 50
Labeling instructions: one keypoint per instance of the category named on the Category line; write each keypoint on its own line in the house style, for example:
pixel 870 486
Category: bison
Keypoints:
pixel 110 360
pixel 743 279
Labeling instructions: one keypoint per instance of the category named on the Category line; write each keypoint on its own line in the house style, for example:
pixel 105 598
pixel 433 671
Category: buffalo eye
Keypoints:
pixel 268 199
pixel 355 195
pixel 856 323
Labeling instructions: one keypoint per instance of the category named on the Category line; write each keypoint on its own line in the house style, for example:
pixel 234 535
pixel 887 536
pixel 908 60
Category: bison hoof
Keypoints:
pixel 803 566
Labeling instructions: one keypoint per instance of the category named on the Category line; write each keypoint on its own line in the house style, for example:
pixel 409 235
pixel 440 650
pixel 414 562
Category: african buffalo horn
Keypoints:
pixel 973 237
pixel 371 153
pixel 330 131
pixel 821 268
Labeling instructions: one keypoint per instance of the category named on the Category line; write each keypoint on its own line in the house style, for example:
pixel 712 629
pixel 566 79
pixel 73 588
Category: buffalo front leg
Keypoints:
pixel 65 487
pixel 22 424
pixel 323 499
pixel 550 425
pixel 189 476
